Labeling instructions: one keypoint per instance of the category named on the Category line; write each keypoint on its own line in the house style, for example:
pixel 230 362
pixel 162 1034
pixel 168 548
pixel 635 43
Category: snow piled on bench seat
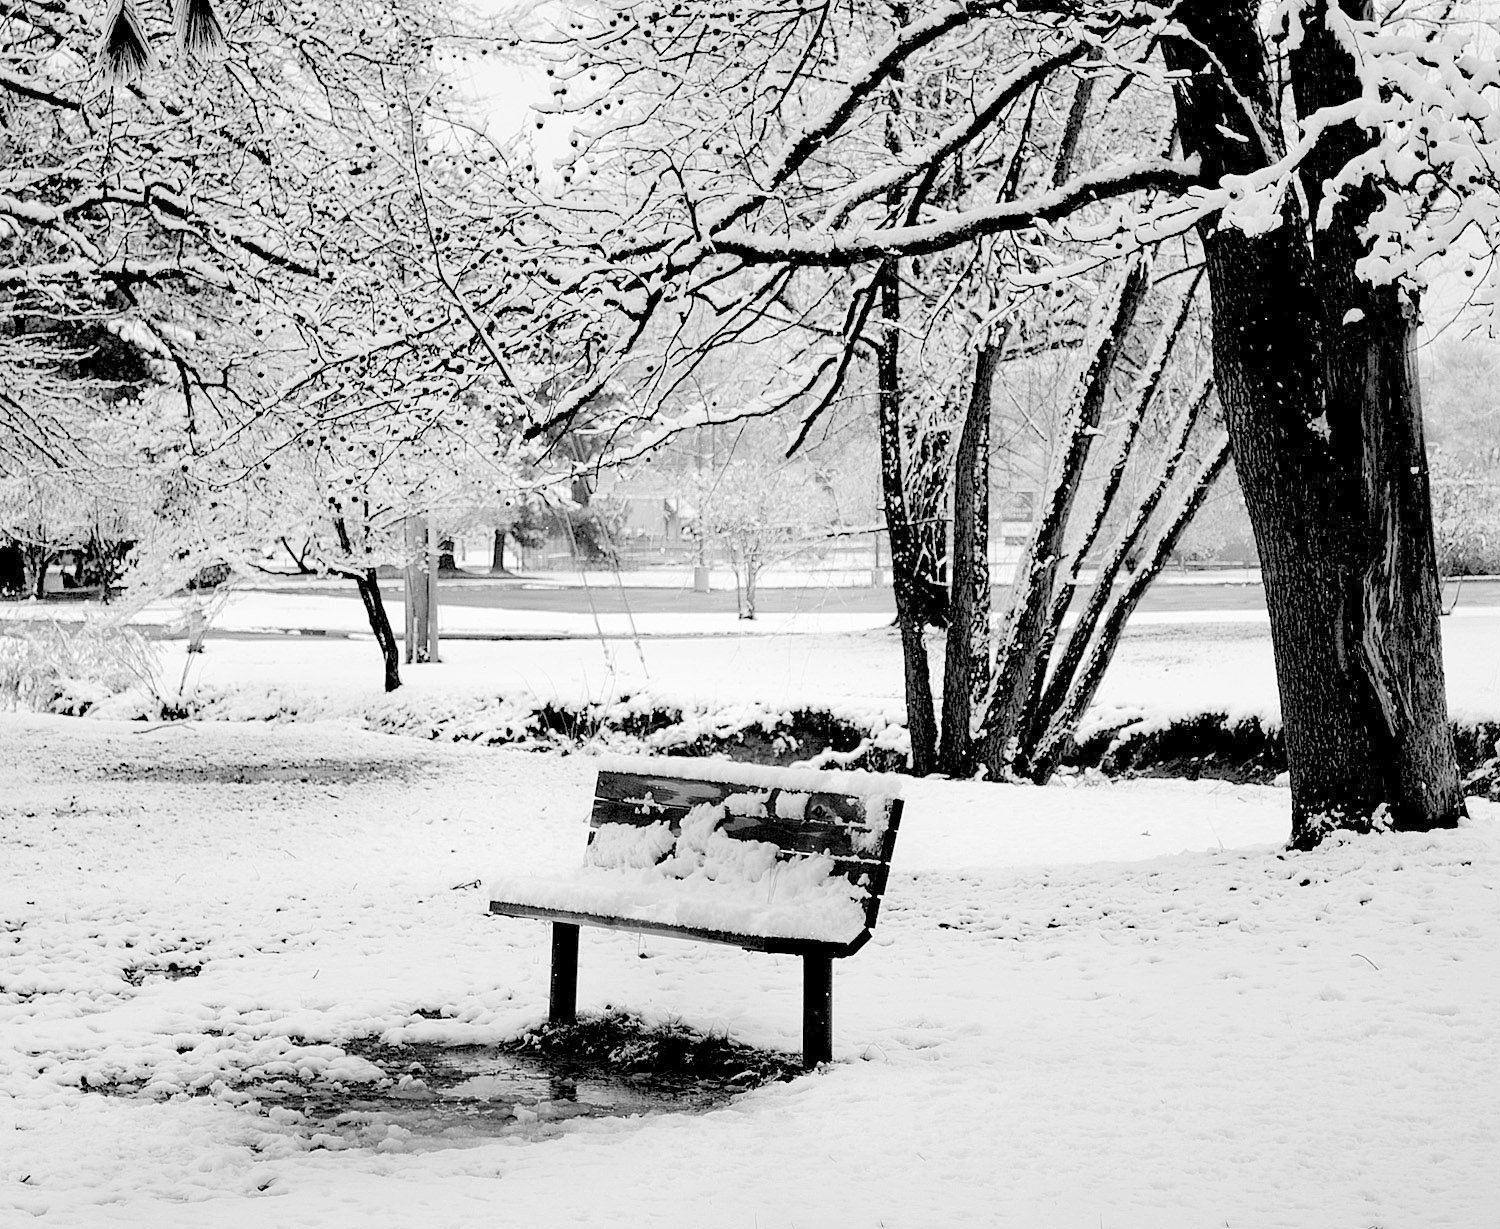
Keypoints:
pixel 785 904
pixel 702 878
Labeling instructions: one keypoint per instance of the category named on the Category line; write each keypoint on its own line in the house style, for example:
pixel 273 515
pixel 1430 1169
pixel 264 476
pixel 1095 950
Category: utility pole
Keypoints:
pixel 409 597
pixel 420 583
pixel 700 564
pixel 433 548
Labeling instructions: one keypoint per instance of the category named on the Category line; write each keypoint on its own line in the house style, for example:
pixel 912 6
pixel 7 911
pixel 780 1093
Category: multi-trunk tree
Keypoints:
pixel 903 333
pixel 1323 152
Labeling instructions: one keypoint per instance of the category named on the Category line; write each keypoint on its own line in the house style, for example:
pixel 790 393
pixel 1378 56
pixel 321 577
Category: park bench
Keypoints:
pixel 768 859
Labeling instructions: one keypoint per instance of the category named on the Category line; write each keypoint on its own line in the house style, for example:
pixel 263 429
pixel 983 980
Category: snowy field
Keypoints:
pixel 1092 1005
pixel 1113 1005
pixel 1170 665
pixel 336 609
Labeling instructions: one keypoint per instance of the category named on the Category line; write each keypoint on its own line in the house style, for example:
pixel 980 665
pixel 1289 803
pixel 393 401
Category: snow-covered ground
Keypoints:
pixel 296 604
pixel 1116 1005
pixel 1088 1005
pixel 301 609
pixel 1169 665
pixel 793 575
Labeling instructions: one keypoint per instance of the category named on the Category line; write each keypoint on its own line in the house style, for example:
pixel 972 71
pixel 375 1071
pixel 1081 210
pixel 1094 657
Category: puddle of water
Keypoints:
pixel 450 1094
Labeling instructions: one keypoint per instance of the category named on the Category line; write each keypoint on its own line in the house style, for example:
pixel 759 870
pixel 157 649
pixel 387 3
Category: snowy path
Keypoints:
pixel 1105 1006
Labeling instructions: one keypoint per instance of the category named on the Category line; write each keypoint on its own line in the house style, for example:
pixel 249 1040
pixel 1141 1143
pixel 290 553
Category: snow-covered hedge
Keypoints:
pixel 1123 740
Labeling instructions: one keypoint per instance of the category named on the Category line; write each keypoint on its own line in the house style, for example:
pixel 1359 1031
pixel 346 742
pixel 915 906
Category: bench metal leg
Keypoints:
pixel 817 1010
pixel 562 1007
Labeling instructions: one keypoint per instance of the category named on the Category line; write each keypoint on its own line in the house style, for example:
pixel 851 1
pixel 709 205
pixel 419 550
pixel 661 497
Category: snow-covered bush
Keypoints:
pixel 48 667
pixel 1466 518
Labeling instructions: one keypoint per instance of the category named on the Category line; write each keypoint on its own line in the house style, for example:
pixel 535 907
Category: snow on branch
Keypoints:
pixel 835 250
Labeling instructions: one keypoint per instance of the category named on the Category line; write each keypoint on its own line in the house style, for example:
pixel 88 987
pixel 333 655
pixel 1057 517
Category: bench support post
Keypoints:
pixel 562 1007
pixel 817 1010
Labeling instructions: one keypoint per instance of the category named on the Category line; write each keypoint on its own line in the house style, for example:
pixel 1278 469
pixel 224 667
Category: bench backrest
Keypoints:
pixel 858 832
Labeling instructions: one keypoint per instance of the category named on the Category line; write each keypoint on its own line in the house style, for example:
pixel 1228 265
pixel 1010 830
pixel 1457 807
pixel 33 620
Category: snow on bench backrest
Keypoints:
pixel 673 812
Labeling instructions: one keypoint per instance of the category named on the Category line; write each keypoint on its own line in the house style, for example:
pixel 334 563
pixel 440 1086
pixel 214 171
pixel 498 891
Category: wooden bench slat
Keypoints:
pixel 631 810
pixel 673 794
pixel 834 824
pixel 754 943
pixel 793 838
pixel 665 791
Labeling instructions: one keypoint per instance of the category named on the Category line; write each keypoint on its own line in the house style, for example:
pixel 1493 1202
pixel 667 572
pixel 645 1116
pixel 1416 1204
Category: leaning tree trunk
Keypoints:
pixel 966 663
pixel 1081 637
pixel 1316 375
pixel 1084 679
pixel 1020 653
pixel 1046 692
pixel 380 624
pixel 369 593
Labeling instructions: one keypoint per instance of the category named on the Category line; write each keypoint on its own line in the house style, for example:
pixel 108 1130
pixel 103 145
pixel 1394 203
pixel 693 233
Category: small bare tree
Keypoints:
pixel 760 507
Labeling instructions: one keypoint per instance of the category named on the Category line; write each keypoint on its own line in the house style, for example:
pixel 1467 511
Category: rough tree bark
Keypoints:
pixel 1315 373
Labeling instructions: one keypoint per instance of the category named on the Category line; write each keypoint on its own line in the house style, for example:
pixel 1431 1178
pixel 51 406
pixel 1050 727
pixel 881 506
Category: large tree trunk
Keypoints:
pixel 497 553
pixel 1319 389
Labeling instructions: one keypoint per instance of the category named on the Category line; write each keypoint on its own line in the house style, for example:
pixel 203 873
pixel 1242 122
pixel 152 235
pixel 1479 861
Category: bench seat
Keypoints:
pixel 745 915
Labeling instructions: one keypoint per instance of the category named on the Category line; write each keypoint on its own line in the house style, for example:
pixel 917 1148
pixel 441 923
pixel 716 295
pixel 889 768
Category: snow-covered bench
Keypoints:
pixel 769 859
